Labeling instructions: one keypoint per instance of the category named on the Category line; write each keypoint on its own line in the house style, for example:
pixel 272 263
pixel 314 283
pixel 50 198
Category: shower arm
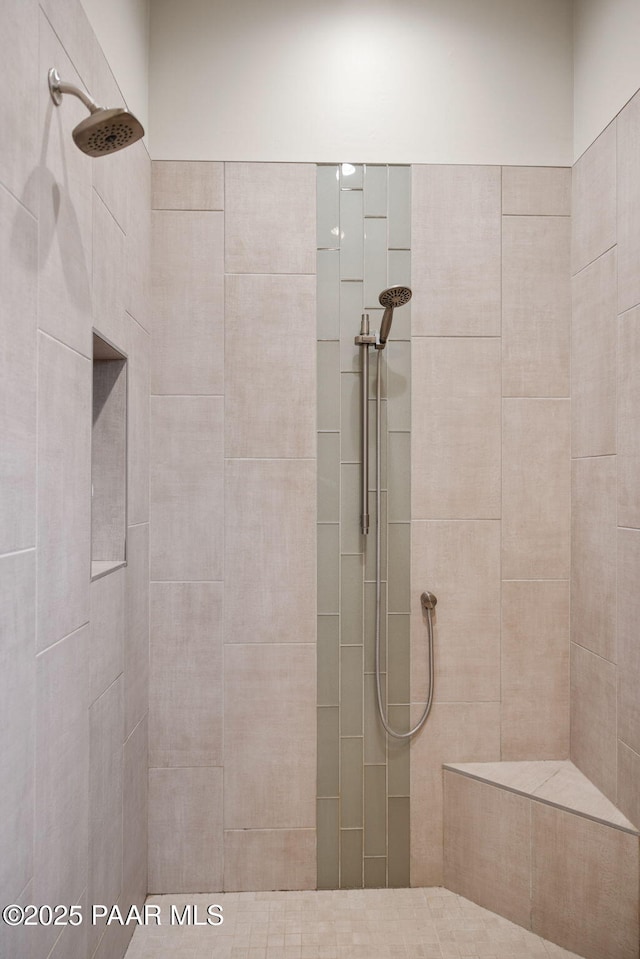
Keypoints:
pixel 57 87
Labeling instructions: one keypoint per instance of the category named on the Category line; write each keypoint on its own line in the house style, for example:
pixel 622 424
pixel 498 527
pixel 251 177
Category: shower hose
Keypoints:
pixel 381 711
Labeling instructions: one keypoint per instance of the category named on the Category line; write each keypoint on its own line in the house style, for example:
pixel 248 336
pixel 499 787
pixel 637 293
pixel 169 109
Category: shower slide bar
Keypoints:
pixel 395 296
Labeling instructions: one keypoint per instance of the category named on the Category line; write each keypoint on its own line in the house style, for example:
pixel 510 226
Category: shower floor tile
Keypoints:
pixel 346 924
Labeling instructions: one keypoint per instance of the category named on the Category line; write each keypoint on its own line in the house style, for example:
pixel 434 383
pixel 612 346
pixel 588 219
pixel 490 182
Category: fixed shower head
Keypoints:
pixel 394 296
pixel 104 131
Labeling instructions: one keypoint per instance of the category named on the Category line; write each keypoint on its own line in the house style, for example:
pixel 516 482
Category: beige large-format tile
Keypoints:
pixel 110 180
pixel 71 23
pixel 593 359
pixel 107 629
pixel 487 846
pixel 460 563
pixel 138 361
pixel 535 670
pixel 18 118
pixel 455 266
pixel 455 366
pixel 454 732
pixel 181 185
pixel 628 459
pixel 108 250
pixel 536 191
pixel 270 366
pixel 186 488
pixel 584 885
pixel 106 717
pixel 63 490
pixel 136 641
pixel 628 203
pixel 536 488
pixel 62 781
pixel 65 207
pixel 593 551
pixel 264 859
pixel 628 647
pixel 138 241
pixel 569 788
pixel 185 829
pixel 19 940
pixel 629 783
pixel 270 736
pixel 270 551
pixel 17 721
pixel 593 718
pixel 270 217
pixel 134 814
pixel 536 305
pixel 593 203
pixel 185 703
pixel 188 302
pixel 455 457
pixel 18 318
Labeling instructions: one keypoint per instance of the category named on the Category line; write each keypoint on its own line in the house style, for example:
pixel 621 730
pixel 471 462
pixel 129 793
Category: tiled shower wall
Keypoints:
pixel 233 540
pixel 364 235
pixel 605 648
pixel 490 478
pixel 74 654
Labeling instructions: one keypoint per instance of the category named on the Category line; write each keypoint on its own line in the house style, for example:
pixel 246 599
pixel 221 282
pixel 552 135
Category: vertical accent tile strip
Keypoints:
pixel 364 234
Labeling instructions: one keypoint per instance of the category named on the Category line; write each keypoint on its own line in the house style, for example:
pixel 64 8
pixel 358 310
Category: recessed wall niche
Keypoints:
pixel 108 459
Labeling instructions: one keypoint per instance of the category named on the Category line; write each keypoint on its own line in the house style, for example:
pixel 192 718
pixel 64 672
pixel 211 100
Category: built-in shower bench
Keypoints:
pixel 538 843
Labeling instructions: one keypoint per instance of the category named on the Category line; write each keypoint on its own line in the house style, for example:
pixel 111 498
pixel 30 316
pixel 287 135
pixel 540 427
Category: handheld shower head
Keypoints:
pixel 104 131
pixel 394 296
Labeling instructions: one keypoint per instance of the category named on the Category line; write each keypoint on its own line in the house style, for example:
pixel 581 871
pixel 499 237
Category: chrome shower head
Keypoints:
pixel 394 296
pixel 104 131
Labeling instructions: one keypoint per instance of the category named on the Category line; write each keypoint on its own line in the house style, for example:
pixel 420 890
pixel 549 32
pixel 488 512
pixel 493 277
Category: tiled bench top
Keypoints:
pixel 556 782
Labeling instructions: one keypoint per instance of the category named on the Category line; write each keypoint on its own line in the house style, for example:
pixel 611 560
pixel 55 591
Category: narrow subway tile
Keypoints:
pixel 375 872
pixel 399 477
pixel 375 810
pixel 398 841
pixel 328 405
pixel 398 754
pixel 370 626
pixel 399 207
pixel 351 310
pixel 328 206
pixel 351 859
pixel 352 540
pixel 375 746
pixel 375 261
pixel 375 190
pixel 328 568
pixel 399 668
pixel 351 690
pixel 351 176
pixel 351 782
pixel 383 446
pixel 328 294
pixel 399 567
pixel 328 829
pixel 328 477
pixel 328 751
pixel 352 602
pixel 370 539
pixel 351 235
pixel 350 443
pixel 328 660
